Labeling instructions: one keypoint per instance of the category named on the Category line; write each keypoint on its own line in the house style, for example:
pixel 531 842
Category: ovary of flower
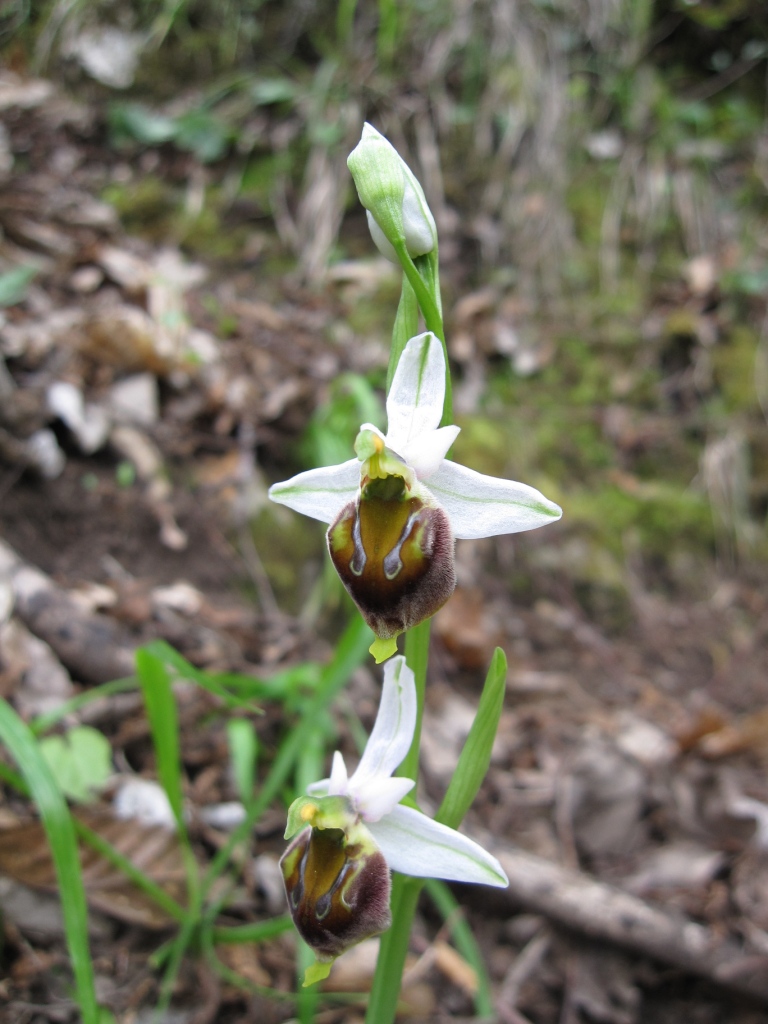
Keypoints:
pixel 396 508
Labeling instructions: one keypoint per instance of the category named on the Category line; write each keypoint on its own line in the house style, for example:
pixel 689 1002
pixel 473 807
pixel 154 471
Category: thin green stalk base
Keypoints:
pixel 385 993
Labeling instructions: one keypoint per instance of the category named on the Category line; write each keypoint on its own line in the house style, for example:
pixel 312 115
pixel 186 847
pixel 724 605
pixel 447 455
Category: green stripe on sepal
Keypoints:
pixel 476 754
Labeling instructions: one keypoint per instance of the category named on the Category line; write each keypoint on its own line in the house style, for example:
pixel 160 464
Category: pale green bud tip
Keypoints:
pixel 378 170
pixel 398 212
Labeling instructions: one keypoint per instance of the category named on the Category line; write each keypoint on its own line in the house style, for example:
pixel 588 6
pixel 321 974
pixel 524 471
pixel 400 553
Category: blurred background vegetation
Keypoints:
pixel 598 170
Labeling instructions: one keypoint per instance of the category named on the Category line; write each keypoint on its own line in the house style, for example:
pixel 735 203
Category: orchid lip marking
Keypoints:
pixel 359 558
pixel 297 893
pixel 324 903
pixel 393 563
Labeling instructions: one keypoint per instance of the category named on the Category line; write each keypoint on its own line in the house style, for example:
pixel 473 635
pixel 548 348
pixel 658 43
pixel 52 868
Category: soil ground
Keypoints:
pixel 633 743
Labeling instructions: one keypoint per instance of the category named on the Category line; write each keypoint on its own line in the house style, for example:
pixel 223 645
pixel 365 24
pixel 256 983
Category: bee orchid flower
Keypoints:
pixel 349 831
pixel 395 509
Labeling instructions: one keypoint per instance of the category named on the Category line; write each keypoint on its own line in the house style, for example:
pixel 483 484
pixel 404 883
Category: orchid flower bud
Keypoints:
pixel 336 878
pixel 395 201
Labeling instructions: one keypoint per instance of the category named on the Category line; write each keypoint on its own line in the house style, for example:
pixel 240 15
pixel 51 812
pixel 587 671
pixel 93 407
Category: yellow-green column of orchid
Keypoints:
pixel 404 230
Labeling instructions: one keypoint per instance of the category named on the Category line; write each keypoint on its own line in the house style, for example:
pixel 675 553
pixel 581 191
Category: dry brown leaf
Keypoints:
pixel 708 721
pixel 747 733
pixel 25 857
pixel 468 628
pixel 244 959
pixel 455 968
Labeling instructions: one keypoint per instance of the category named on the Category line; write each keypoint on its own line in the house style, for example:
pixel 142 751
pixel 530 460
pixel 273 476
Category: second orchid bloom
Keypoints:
pixel 395 509
pixel 349 831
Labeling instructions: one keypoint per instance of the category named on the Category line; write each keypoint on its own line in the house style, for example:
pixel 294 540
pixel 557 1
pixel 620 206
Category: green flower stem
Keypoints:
pixel 428 296
pixel 393 950
pixel 406 327
pixel 416 657
pixel 382 1004
pixel 385 992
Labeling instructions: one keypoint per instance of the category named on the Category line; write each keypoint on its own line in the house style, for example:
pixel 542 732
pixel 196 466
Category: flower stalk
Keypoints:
pixel 393 513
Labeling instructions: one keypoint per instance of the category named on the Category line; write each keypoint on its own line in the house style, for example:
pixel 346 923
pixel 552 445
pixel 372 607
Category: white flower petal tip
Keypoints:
pixel 416 845
pixel 485 506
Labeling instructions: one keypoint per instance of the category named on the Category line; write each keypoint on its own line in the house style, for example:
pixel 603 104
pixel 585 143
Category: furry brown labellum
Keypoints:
pixel 338 891
pixel 394 554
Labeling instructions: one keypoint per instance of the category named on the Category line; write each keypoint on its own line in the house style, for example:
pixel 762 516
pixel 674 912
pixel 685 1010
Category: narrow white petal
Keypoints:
pixel 393 729
pixel 483 506
pixel 415 400
pixel 425 454
pixel 338 784
pixel 381 795
pixel 319 493
pixel 415 845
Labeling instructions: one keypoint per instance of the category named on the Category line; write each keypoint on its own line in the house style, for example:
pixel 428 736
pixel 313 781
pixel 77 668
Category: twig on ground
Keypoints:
pixel 525 964
pixel 603 912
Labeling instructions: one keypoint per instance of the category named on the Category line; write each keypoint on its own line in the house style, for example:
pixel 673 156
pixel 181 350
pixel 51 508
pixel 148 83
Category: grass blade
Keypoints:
pixel 60 831
pixel 164 723
pixel 476 753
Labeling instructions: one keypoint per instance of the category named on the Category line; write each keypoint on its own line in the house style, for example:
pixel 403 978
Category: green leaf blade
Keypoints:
pixel 476 753
pixel 163 722
pixel 60 832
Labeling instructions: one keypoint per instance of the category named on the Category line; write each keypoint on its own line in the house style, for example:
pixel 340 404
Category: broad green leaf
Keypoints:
pixel 136 122
pixel 14 284
pixel 81 761
pixel 266 91
pixel 203 134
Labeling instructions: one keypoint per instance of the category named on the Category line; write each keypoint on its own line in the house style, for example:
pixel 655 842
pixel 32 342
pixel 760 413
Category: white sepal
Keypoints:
pixel 414 844
pixel 484 506
pixel 319 493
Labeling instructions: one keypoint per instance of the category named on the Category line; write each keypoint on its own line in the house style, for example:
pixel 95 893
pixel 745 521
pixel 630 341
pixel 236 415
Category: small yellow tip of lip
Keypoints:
pixel 383 649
